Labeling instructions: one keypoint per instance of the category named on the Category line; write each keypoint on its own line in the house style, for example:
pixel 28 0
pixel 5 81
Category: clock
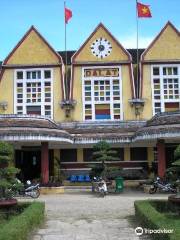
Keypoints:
pixel 101 48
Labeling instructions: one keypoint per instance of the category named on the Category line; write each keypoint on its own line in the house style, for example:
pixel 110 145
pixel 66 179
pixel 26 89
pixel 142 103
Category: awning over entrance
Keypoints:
pixel 31 128
pixel 162 126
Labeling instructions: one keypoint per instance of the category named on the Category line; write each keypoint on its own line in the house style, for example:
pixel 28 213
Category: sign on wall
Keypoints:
pixel 101 72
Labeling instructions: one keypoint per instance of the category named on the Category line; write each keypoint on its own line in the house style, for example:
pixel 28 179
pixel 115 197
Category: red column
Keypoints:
pixel 161 156
pixel 44 162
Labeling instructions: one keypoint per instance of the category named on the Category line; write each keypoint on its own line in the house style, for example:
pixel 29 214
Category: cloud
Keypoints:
pixel 131 41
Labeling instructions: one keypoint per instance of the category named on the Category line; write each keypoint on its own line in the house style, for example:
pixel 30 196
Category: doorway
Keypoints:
pixel 29 163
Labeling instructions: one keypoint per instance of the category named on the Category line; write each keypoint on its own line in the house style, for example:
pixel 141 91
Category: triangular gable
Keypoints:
pixel 32 49
pixel 118 53
pixel 166 46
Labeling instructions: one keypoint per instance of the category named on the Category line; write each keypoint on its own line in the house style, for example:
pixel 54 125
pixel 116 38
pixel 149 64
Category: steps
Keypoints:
pixel 77 188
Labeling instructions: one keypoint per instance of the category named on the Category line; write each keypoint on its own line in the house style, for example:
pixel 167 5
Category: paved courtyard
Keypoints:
pixel 82 216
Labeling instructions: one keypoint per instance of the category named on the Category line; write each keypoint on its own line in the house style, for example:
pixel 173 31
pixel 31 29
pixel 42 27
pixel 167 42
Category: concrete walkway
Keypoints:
pixel 82 216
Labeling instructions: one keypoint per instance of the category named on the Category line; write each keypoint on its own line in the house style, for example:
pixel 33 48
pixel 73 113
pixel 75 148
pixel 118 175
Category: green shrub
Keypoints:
pixel 7 171
pixel 20 226
pixel 102 152
pixel 151 218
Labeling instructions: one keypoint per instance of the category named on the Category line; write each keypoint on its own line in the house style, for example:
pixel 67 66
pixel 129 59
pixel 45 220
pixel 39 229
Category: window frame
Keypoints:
pixel 111 102
pixel 161 77
pixel 24 82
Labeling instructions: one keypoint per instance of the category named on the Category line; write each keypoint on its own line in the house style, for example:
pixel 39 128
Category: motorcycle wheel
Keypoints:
pixel 152 190
pixel 101 193
pixel 174 190
pixel 35 193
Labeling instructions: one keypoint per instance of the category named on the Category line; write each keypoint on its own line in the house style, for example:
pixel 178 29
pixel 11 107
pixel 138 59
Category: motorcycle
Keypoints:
pixel 99 186
pixel 162 186
pixel 25 190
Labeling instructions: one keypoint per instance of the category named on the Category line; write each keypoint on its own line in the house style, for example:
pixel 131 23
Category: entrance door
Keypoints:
pixel 29 162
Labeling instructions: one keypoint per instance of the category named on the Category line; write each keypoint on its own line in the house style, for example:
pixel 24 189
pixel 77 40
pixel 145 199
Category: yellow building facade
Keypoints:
pixel 55 116
pixel 113 66
pixel 31 69
pixel 160 73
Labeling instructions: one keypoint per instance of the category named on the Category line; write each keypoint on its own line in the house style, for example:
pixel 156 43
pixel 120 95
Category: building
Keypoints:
pixel 50 115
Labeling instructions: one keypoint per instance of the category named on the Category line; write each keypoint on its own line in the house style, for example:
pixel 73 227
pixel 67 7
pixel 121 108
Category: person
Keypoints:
pixel 104 186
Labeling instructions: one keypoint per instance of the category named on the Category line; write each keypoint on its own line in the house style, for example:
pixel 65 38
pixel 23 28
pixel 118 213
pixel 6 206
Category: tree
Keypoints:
pixel 7 171
pixel 174 171
pixel 177 157
pixel 102 153
pixel 59 175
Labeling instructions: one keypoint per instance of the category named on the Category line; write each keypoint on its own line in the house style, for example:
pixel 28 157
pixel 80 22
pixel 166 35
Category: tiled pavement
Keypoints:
pixel 82 216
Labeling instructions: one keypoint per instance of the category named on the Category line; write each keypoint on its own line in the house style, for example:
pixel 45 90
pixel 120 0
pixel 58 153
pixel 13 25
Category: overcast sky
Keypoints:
pixel 119 16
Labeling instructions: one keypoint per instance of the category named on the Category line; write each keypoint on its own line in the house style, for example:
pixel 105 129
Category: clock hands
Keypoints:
pixel 101 48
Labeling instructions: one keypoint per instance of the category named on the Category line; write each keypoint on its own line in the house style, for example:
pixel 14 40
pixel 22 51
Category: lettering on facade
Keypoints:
pixel 101 72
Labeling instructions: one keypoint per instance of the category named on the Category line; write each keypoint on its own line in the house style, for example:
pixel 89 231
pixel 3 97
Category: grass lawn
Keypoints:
pixel 17 222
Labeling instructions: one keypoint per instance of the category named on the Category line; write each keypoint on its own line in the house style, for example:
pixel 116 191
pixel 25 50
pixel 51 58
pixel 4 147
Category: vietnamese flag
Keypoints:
pixel 143 10
pixel 68 14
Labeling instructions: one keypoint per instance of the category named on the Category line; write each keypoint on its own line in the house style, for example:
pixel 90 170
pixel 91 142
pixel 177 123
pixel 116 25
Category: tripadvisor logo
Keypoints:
pixel 139 231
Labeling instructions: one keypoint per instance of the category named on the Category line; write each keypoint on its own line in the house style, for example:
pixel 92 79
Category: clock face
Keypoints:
pixel 101 48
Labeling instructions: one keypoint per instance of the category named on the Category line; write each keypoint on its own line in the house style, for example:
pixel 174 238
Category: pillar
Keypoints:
pixel 127 154
pixel 161 156
pixel 80 155
pixel 44 162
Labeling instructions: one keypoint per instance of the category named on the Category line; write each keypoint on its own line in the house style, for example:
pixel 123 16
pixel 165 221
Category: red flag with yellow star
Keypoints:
pixel 143 10
pixel 68 14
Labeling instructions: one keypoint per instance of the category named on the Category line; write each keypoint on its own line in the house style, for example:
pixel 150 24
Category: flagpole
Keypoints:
pixel 65 53
pixel 137 45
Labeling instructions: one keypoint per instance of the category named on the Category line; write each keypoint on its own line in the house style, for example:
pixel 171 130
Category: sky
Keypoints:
pixel 119 16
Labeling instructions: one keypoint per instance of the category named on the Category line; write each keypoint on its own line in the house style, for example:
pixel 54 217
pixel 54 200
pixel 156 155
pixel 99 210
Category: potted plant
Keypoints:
pixel 55 184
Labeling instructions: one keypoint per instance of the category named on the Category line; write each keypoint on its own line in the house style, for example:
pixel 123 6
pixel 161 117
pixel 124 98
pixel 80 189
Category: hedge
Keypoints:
pixel 19 227
pixel 147 213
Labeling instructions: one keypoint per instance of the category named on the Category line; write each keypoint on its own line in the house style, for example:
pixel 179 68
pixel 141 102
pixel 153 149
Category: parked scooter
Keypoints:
pixel 162 186
pixel 26 190
pixel 99 187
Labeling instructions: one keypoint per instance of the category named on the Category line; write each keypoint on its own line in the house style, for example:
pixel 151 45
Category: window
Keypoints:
pixel 166 88
pixel 88 154
pixel 47 74
pixel 156 71
pixel 33 92
pixel 120 153
pixel 102 111
pixel 171 88
pixel 139 154
pixel 19 75
pixel 88 112
pixel 33 74
pixel 68 155
pixel 33 95
pixel 33 110
pixel 102 94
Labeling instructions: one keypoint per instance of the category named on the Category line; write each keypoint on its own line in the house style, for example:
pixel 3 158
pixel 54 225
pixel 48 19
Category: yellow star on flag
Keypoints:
pixel 144 10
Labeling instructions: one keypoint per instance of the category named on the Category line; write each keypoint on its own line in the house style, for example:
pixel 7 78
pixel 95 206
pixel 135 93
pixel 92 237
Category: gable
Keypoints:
pixel 166 45
pixel 117 52
pixel 32 49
